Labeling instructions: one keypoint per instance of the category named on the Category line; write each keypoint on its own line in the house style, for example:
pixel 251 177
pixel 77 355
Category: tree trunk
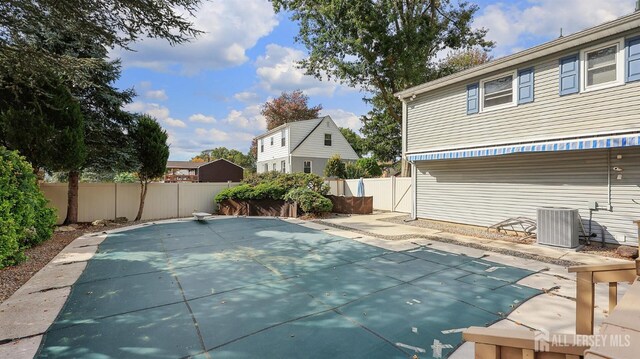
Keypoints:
pixel 143 194
pixel 72 197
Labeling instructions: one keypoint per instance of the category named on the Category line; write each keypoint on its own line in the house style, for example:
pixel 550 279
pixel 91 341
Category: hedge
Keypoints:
pixel 24 218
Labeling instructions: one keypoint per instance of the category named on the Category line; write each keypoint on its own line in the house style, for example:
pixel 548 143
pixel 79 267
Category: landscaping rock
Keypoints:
pixel 99 223
pixel 65 229
pixel 627 252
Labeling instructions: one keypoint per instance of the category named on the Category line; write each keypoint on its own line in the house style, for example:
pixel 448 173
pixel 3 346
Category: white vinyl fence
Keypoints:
pixel 112 200
pixel 389 194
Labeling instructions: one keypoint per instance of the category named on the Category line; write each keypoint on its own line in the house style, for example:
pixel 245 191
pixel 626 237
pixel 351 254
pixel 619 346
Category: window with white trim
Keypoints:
pixel 262 145
pixel 498 92
pixel 602 66
pixel 327 139
pixel 306 167
pixel 271 140
pixel 283 138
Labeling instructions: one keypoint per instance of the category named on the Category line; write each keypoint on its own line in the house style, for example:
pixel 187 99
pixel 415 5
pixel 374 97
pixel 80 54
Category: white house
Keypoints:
pixel 303 146
pixel 555 125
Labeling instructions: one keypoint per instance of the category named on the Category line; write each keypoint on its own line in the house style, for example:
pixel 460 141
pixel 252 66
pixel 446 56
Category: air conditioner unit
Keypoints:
pixel 558 227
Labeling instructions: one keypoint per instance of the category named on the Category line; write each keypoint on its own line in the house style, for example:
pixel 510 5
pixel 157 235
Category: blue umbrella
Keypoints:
pixel 361 187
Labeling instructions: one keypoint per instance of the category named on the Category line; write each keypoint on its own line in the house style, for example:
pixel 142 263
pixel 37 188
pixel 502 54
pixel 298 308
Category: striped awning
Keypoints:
pixel 616 141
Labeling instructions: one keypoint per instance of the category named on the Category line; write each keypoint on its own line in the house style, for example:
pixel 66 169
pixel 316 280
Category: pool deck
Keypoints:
pixel 34 307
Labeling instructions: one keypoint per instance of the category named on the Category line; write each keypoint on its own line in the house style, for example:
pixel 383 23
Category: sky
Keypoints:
pixel 208 93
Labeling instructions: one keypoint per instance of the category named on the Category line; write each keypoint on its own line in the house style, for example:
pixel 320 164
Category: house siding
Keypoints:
pixel 485 191
pixel 260 164
pixel 317 164
pixel 438 120
pixel 276 150
pixel 300 129
pixel 314 145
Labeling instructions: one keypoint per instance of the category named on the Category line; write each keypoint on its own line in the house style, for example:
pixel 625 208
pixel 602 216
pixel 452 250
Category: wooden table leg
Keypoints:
pixel 584 303
pixel 613 296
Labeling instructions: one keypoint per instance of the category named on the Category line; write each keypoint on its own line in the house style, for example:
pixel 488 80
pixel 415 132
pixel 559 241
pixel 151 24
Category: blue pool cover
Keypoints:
pixel 266 288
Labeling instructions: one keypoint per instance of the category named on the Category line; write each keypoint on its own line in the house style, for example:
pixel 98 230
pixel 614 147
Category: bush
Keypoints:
pixel 352 170
pixel 309 201
pixel 243 191
pixel 24 218
pixel 289 181
pixel 335 167
pixel 370 167
pixel 268 190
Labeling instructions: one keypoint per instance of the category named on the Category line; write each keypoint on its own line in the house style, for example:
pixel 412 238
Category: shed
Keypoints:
pixel 219 170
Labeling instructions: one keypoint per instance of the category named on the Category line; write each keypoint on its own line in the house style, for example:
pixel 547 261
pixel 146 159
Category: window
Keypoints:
pixel 327 139
pixel 266 167
pixel 497 92
pixel 262 145
pixel 283 138
pixel 602 66
pixel 306 168
pixel 271 140
pixel 273 167
pixel 283 166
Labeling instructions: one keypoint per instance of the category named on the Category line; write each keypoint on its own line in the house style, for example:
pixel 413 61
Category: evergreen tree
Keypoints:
pixel 151 151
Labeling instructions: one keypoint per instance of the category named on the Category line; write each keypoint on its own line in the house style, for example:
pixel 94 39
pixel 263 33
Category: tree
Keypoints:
pixel 370 166
pixel 152 152
pixel 354 140
pixel 109 150
pixel 109 22
pixel 381 46
pixel 464 59
pixel 335 167
pixel 382 134
pixel 289 107
pixel 46 126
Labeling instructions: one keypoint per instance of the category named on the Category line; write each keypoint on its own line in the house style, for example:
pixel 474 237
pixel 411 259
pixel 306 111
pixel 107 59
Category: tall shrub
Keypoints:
pixel 24 218
pixel 152 152
pixel 335 167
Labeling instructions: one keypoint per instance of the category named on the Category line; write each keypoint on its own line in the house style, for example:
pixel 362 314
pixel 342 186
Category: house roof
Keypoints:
pixel 194 165
pixel 290 124
pixel 611 28
pixel 184 164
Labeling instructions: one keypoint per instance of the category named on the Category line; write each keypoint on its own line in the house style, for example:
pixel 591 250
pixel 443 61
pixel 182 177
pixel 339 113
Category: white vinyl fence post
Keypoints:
pixel 393 193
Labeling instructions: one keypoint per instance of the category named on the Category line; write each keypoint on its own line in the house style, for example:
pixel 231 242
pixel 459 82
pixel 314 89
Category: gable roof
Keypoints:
pixel 194 165
pixel 289 125
pixel 611 28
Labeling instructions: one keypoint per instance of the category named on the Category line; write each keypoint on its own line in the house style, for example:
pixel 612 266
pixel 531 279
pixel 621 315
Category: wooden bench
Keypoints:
pixel 623 321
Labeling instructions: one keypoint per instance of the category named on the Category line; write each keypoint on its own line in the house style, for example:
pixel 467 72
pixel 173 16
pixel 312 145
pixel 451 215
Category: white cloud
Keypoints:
pixel 344 118
pixel 249 118
pixel 213 134
pixel 246 96
pixel 231 28
pixel 278 71
pixel 508 25
pixel 198 117
pixel 159 95
pixel 156 111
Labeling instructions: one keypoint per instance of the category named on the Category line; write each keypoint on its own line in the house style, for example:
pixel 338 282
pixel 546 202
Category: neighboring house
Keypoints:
pixel 219 170
pixel 302 146
pixel 554 125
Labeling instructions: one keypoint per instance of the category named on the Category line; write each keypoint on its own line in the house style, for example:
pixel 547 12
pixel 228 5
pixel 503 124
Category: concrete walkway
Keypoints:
pixel 553 311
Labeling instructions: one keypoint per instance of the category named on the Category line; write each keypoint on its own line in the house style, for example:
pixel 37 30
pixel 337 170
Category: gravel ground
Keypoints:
pixel 12 278
pixel 560 262
pixel 459 229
